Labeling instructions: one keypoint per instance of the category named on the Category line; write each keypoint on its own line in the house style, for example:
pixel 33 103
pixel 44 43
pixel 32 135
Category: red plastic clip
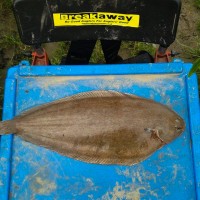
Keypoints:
pixel 40 57
pixel 162 57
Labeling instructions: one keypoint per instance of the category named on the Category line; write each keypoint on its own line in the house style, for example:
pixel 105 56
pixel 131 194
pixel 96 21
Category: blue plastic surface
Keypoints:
pixel 171 173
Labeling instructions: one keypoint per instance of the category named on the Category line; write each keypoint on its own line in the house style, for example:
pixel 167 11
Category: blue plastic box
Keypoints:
pixel 31 172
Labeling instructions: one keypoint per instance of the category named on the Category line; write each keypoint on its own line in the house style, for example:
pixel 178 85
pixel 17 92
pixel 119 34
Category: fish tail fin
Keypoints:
pixel 7 127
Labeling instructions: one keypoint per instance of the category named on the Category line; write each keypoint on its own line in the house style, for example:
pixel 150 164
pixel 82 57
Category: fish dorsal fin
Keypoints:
pixel 83 95
pixel 94 94
pixel 132 96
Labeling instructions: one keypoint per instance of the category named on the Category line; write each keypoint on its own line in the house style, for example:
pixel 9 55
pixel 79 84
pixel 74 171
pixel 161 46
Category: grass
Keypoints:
pixel 196 51
pixel 97 55
pixel 198 26
pixel 10 43
pixel 197 4
pixel 195 56
pixel 135 47
pixel 59 53
pixel 17 49
pixel 5 6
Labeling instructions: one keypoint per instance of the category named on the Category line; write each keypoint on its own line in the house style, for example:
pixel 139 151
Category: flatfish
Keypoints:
pixel 103 127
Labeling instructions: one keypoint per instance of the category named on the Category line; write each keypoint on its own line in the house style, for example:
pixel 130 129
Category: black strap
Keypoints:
pixel 80 51
pixel 141 57
pixel 110 50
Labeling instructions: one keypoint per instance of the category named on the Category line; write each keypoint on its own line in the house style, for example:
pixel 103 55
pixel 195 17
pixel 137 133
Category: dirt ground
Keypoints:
pixel 188 38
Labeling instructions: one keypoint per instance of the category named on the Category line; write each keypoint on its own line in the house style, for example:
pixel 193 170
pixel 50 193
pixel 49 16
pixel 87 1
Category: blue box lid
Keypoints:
pixel 28 171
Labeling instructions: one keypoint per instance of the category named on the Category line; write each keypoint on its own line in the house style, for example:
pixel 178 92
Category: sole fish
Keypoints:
pixel 104 127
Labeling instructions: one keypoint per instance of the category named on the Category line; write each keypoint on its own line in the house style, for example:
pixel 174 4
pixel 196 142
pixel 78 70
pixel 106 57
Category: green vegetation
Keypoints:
pixel 195 52
pixel 198 26
pixel 11 47
pixel 59 53
pixel 97 55
pixel 195 67
pixel 17 49
pixel 5 6
pixel 135 47
pixel 197 4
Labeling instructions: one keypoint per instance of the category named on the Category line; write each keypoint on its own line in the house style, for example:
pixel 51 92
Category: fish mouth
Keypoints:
pixel 180 128
pixel 180 125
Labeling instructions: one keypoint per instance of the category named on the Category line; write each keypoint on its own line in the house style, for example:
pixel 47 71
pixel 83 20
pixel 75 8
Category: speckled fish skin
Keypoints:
pixel 103 127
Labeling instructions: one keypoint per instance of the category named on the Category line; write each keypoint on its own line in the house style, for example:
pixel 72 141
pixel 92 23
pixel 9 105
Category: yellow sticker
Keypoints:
pixel 96 19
